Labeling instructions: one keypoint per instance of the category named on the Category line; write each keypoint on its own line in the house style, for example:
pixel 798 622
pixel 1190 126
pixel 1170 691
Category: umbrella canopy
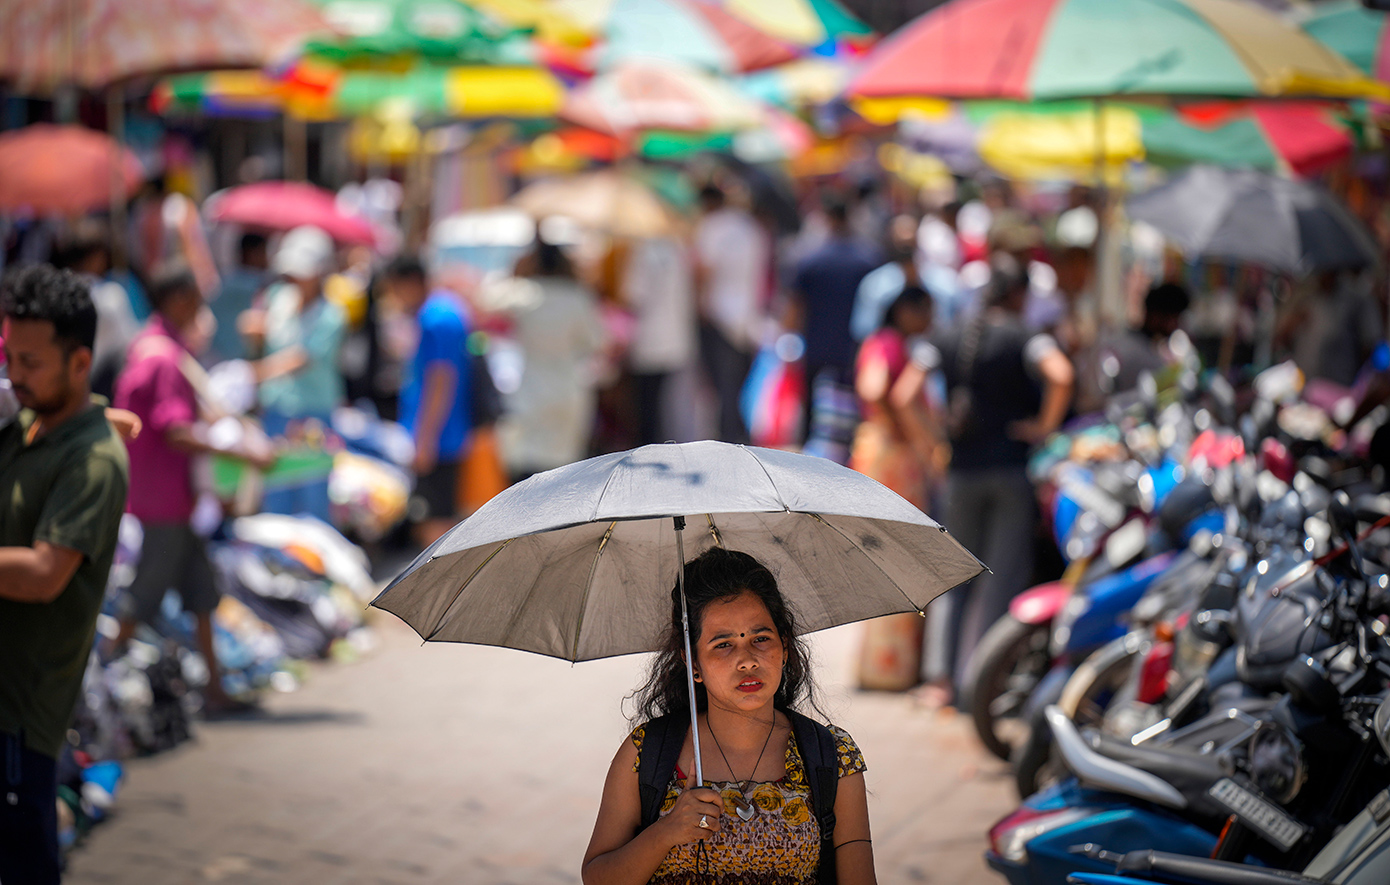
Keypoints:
pixel 1058 140
pixel 1355 32
pixel 605 200
pixel 1251 217
pixel 62 170
pixel 328 92
pixel 578 563
pixel 689 32
pixel 640 95
pixel 808 23
pixel 1057 49
pixel 285 205
pixel 799 84
pixel 93 43
pixel 549 25
pixel 448 31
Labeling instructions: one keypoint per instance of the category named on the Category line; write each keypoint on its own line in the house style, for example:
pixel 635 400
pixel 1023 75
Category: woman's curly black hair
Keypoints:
pixel 713 576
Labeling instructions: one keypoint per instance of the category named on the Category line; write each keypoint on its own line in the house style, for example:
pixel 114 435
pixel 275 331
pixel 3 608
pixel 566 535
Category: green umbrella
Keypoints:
pixel 444 31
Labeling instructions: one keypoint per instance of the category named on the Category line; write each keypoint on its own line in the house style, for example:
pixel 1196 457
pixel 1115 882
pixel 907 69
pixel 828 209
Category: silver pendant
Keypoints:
pixel 743 806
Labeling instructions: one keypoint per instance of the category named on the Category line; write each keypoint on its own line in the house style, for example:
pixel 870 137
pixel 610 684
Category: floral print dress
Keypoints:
pixel 778 845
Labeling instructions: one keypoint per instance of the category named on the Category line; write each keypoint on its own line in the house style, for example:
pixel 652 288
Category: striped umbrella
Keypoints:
pixel 689 32
pixel 1058 49
pixel 94 43
pixel 447 31
pixel 1058 141
pixel 638 96
pixel 808 23
pixel 1356 32
pixel 320 92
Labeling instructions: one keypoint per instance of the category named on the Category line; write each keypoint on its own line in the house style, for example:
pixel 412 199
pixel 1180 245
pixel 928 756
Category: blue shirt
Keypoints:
pixel 827 280
pixel 443 339
pixel 882 287
pixel 239 290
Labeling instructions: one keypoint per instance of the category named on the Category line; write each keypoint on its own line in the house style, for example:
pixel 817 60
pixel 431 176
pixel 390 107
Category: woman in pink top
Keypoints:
pixel 897 442
pixel 898 445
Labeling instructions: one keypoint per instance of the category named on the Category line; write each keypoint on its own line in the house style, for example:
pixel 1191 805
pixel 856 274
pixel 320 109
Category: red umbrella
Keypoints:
pixel 283 205
pixel 62 170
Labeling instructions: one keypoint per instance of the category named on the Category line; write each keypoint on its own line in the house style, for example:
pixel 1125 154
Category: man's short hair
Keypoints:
pixel 1007 278
pixel 170 279
pixel 61 297
pixel 1169 299
pixel 251 242
pixel 406 267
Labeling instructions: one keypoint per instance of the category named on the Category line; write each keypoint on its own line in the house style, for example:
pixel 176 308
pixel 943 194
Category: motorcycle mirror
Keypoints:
pixel 1310 687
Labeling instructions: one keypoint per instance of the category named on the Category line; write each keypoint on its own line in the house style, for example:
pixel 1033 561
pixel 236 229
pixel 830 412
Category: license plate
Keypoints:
pixel 1260 814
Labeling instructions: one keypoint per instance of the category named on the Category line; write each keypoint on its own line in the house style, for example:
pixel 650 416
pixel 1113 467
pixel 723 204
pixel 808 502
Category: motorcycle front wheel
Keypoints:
pixel 1010 661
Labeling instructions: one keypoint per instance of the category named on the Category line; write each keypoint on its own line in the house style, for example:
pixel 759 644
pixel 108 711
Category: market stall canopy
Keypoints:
pixel 285 205
pixel 1255 218
pixel 606 200
pixel 644 95
pixel 689 32
pixel 94 43
pixel 62 170
pixel 1038 50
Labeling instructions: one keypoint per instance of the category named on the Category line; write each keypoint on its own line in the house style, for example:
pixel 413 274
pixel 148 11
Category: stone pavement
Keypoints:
pixel 452 763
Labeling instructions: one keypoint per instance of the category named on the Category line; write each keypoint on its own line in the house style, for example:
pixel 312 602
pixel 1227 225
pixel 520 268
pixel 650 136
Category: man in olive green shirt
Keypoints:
pixel 63 481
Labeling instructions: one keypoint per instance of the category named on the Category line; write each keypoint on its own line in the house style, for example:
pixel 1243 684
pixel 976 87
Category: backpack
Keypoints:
pixel 661 745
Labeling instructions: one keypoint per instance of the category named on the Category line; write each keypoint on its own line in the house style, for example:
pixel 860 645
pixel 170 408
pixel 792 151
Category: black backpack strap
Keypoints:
pixel 662 739
pixel 820 757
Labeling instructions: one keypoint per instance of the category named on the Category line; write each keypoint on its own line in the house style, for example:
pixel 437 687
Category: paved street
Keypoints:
pixel 448 763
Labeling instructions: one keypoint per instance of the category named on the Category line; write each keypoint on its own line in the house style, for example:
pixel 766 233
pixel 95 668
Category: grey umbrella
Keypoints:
pixel 1253 217
pixel 578 562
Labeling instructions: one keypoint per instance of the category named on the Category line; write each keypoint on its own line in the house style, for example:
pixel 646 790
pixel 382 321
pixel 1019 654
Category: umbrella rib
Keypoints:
pixel 714 531
pixel 606 483
pixel 588 585
pixel 855 545
pixel 776 491
pixel 439 625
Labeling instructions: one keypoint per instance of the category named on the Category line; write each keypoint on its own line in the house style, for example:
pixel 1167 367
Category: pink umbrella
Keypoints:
pixel 62 170
pixel 283 205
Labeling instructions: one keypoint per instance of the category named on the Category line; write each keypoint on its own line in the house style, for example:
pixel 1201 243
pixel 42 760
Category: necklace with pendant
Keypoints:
pixel 743 806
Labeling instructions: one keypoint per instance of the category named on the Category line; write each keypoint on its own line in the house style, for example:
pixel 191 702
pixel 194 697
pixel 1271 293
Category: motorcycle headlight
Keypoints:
pixel 1276 763
pixel 1010 837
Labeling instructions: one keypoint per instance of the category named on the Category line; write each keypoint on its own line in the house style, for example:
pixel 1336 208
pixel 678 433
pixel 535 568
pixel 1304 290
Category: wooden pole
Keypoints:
pixel 115 126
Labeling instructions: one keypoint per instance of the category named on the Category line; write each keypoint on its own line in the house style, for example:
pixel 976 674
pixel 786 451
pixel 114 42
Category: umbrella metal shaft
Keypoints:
pixel 689 658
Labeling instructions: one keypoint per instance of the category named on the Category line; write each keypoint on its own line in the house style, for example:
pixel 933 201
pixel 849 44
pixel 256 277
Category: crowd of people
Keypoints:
pixel 931 350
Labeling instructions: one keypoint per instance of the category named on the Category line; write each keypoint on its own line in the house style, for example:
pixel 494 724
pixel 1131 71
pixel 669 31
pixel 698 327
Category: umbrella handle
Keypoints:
pixel 689 658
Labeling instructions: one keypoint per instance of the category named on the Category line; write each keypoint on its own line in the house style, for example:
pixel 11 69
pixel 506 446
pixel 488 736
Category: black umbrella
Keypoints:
pixel 1248 216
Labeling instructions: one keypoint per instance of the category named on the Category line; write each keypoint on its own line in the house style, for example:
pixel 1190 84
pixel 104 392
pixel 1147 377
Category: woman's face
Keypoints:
pixel 740 654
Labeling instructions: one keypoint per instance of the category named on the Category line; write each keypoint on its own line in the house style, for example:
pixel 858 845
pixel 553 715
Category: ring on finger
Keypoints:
pixel 704 822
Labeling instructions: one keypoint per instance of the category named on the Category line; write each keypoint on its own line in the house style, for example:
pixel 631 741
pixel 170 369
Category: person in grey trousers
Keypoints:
pixel 1008 389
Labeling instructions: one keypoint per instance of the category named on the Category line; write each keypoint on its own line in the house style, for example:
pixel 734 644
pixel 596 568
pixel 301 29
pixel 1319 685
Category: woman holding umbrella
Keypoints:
pixel 754 818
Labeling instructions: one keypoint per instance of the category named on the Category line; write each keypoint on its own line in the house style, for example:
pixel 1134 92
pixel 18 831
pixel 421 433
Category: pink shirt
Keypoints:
pixel 154 387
